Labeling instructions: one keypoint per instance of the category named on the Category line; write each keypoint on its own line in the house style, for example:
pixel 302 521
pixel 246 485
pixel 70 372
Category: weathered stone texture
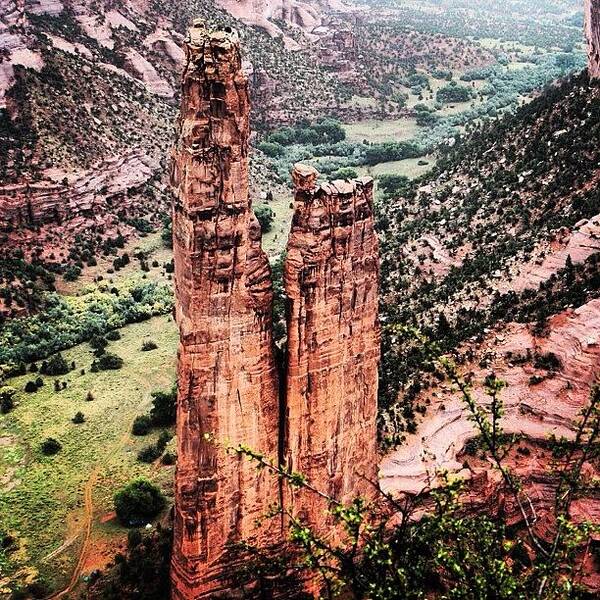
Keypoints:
pixel 228 386
pixel 592 32
pixel 331 280
pixel 80 194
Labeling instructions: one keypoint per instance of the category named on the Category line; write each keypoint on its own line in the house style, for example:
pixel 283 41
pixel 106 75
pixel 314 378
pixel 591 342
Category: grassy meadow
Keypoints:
pixel 48 502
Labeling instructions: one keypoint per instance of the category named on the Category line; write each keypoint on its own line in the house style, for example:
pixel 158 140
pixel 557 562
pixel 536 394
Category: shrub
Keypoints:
pixel 164 438
pixel 7 402
pixel 39 382
pixel 548 362
pixel 142 425
pixel 51 446
pixel 149 345
pixel 134 538
pixel 98 342
pixel 113 335
pixel 108 362
pixel 164 408
pixel 56 365
pixel 78 418
pixel 169 458
pixel 31 387
pixel 72 273
pixel 138 502
pixel 149 454
pixel 265 216
pixel 89 397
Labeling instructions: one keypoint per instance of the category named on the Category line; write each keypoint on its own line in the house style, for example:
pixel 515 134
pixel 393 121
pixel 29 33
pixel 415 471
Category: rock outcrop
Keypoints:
pixel 592 33
pixel 228 390
pixel 65 196
pixel 323 423
pixel 267 13
pixel 331 281
pixel 538 402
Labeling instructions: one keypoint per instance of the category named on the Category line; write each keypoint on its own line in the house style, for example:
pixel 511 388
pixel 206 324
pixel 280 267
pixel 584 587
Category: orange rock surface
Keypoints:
pixel 592 32
pixel 228 384
pixel 331 280
pixel 228 389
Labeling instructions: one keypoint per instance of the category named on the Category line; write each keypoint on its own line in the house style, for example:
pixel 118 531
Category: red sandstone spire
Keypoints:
pixel 331 279
pixel 227 376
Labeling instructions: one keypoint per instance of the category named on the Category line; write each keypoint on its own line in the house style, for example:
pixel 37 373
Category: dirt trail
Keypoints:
pixel 88 518
pixel 145 385
pixel 89 511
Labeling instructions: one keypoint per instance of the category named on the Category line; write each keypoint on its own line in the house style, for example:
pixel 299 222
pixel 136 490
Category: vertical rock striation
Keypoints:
pixel 228 389
pixel 331 280
pixel 592 33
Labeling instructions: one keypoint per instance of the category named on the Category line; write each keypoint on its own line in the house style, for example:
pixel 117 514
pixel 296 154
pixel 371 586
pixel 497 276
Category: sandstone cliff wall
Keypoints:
pixel 331 280
pixel 592 33
pixel 228 390
pixel 68 196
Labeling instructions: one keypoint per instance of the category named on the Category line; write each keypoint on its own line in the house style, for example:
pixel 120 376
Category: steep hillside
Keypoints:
pixel 505 228
pixel 88 94
pixel 82 81
pixel 495 256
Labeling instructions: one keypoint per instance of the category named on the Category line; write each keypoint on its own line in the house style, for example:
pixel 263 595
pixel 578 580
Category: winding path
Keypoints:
pixel 88 518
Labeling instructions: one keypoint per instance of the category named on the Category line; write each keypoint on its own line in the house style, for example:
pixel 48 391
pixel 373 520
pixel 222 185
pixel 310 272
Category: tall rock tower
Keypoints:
pixel 331 280
pixel 227 377
pixel 592 33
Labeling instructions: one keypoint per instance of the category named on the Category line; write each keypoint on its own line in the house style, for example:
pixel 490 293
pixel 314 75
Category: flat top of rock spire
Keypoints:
pixel 199 34
pixel 305 178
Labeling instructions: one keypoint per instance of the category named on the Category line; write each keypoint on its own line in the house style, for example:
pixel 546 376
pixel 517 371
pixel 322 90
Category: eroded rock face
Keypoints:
pixel 65 196
pixel 266 13
pixel 228 389
pixel 592 32
pixel 331 280
pixel 537 402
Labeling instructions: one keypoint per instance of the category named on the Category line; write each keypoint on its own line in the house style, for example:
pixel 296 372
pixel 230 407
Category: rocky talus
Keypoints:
pixel 331 281
pixel 228 390
pixel 592 32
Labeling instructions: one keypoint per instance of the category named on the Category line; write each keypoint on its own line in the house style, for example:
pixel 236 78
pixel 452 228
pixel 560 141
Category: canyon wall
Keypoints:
pixel 592 33
pixel 70 195
pixel 331 280
pixel 228 390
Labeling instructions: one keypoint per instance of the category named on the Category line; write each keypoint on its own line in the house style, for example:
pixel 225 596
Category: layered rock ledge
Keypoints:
pixel 538 403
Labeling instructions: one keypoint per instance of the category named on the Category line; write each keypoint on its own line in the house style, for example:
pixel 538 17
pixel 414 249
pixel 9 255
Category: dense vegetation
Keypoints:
pixel 493 200
pixel 67 321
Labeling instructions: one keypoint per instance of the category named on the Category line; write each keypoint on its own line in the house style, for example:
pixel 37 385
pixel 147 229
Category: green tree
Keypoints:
pixel 138 502
pixel 164 407
pixel 265 216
